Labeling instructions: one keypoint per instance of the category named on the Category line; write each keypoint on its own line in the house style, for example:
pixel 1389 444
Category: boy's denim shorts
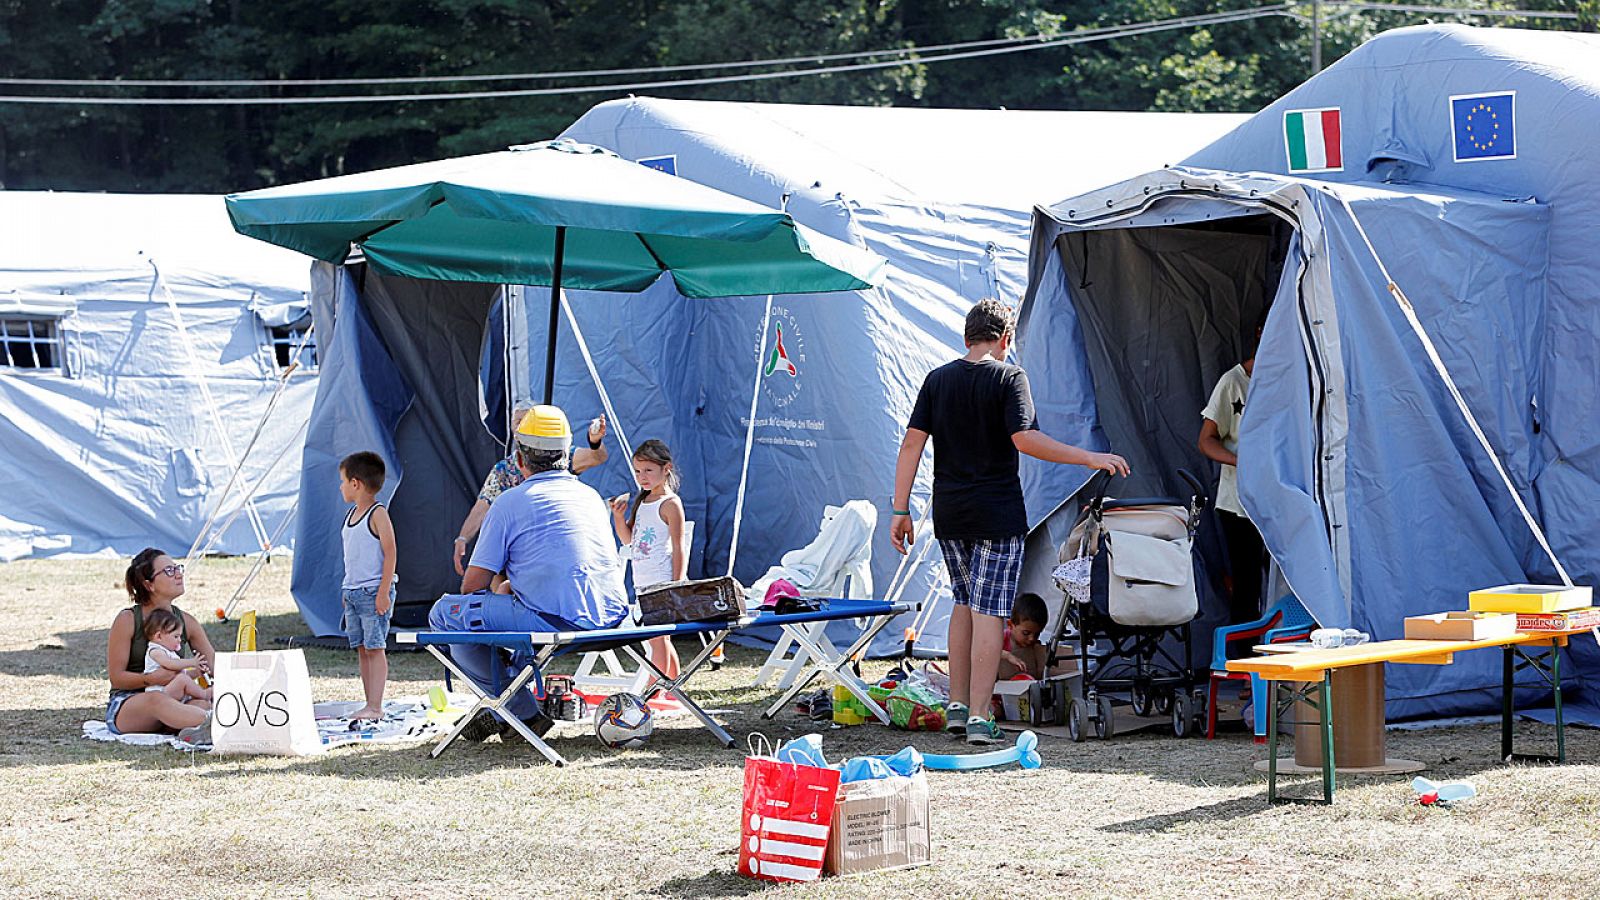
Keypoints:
pixel 362 623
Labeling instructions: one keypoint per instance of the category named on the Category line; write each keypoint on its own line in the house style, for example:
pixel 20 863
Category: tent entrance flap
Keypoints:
pixel 1165 313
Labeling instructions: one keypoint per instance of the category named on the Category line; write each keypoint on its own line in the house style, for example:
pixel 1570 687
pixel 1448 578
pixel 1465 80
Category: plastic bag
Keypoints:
pixel 915 707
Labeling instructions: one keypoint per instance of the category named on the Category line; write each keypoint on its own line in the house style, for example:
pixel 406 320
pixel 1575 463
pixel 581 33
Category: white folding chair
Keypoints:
pixel 618 676
pixel 837 563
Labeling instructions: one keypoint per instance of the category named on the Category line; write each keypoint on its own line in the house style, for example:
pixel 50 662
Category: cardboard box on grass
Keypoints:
pixel 1460 625
pixel 880 824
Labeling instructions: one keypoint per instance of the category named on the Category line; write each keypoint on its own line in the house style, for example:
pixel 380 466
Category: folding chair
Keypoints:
pixel 837 563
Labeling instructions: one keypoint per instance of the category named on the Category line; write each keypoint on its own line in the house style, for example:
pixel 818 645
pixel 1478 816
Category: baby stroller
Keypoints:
pixel 1129 577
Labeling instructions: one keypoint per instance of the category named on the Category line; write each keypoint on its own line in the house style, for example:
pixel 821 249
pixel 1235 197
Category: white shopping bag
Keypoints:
pixel 262 704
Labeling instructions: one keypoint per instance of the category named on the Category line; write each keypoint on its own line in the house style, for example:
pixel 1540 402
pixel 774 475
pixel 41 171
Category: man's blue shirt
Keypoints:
pixel 551 535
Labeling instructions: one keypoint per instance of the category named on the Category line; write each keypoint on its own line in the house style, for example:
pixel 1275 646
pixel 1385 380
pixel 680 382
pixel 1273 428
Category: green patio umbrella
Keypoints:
pixel 557 213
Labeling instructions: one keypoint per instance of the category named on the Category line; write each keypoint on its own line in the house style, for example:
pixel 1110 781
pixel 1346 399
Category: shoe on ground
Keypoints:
pixel 956 719
pixel 985 732
pixel 483 726
pixel 538 723
pixel 197 734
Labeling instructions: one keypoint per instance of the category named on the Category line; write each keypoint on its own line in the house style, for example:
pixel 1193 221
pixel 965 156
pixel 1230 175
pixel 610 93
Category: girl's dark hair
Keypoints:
pixel 160 621
pixel 140 571
pixel 653 451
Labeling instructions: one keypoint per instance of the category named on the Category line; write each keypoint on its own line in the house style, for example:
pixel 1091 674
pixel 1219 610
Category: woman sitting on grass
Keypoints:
pixel 153 580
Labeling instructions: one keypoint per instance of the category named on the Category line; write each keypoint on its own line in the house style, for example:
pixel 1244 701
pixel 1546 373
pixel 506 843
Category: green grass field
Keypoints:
pixel 1144 815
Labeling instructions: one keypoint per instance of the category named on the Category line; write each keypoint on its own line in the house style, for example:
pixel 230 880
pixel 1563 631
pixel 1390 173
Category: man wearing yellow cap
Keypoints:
pixel 551 535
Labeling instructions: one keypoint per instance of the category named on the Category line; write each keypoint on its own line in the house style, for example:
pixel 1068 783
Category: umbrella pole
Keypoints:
pixel 555 311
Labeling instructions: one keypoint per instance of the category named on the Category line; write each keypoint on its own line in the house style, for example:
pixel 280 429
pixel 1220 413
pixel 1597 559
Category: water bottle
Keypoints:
pixel 1327 638
pixel 1354 638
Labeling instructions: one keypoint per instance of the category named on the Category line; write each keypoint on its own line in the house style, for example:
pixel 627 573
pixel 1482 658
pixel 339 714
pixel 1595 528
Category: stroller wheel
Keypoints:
pixel 1180 715
pixel 1078 720
pixel 1141 700
pixel 1105 722
pixel 1163 703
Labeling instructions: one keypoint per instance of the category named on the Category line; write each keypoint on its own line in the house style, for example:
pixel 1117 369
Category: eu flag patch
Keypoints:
pixel 1485 126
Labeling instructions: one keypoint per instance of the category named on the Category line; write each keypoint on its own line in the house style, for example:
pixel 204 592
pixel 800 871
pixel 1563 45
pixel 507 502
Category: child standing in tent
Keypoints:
pixel 369 582
pixel 1219 441
pixel 655 533
pixel 979 412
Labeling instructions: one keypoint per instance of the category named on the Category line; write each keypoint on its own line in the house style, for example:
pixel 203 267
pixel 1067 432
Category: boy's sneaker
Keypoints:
pixel 985 732
pixel 955 719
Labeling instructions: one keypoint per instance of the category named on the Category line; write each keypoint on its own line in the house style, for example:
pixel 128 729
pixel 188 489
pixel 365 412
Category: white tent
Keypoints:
pixel 142 341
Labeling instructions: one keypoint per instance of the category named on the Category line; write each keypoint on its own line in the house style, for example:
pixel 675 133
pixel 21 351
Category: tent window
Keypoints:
pixel 288 339
pixel 30 343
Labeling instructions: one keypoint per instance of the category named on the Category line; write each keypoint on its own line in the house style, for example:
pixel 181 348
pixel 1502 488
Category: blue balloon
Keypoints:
pixel 1025 752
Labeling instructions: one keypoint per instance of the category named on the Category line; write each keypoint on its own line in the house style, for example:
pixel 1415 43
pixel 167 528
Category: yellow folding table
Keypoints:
pixel 1313 671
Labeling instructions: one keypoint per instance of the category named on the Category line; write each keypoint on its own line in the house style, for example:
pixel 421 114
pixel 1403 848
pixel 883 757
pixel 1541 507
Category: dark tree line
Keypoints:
pixel 1234 66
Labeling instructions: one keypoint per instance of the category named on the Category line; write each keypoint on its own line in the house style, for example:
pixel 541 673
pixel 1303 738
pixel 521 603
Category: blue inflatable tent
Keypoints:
pixel 945 195
pixel 1416 223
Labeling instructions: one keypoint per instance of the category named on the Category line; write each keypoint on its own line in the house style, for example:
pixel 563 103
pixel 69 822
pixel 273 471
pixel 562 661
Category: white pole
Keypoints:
pixel 211 403
pixel 749 437
pixel 599 386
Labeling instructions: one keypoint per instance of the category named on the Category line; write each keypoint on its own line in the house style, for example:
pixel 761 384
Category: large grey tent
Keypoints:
pixel 944 195
pixel 1417 221
pixel 143 343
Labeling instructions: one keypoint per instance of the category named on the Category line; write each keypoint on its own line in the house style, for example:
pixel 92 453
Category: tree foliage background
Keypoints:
pixel 1235 66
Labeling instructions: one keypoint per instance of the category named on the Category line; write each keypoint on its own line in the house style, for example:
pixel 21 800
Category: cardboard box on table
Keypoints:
pixel 880 824
pixel 1570 620
pixel 1460 626
pixel 1530 598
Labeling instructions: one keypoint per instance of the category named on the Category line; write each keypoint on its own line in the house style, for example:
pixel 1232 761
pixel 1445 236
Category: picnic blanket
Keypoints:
pixel 405 720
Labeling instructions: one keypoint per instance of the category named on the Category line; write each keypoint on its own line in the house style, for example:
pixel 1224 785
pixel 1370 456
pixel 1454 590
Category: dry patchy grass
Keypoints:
pixel 1143 815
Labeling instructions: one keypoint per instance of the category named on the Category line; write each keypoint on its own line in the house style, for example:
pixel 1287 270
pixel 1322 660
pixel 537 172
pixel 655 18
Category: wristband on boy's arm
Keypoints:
pixel 594 444
pixel 900 512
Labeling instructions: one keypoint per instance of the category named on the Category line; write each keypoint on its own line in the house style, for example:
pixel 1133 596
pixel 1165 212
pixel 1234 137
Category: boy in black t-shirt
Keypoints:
pixel 979 412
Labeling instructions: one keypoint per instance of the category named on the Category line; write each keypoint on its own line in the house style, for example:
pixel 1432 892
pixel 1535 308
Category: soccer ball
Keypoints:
pixel 623 721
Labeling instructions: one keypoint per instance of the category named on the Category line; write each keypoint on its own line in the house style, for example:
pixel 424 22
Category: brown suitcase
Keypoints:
pixel 705 600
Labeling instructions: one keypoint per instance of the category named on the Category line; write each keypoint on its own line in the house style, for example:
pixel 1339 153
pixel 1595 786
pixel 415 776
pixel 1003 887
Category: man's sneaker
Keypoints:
pixel 198 735
pixel 956 719
pixel 985 732
pixel 483 726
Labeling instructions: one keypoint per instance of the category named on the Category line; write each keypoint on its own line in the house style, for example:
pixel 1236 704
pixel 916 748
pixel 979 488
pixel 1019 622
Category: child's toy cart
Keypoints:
pixel 1128 574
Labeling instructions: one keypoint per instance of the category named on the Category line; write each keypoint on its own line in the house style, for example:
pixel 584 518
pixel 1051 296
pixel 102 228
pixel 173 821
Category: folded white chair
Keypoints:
pixel 618 676
pixel 837 563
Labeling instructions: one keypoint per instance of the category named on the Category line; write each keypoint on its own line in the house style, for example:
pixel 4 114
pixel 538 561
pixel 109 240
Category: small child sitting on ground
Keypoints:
pixel 1021 652
pixel 164 631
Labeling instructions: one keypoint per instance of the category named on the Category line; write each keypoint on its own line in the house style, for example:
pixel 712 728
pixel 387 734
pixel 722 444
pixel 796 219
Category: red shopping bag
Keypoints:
pixel 788 812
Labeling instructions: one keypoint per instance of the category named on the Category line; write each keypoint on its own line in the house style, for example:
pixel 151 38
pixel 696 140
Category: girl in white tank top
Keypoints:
pixel 654 531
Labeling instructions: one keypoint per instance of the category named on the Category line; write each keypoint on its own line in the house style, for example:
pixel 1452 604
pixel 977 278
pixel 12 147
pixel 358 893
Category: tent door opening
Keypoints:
pixel 1165 313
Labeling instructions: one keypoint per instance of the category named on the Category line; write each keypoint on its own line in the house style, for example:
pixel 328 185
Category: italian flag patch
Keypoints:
pixel 1312 139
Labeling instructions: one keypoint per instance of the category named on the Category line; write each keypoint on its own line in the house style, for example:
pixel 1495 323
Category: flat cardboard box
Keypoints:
pixel 1460 626
pixel 1530 598
pixel 1570 620
pixel 880 824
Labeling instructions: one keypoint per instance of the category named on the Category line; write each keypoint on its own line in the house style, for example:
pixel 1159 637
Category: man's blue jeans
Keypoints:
pixel 485 611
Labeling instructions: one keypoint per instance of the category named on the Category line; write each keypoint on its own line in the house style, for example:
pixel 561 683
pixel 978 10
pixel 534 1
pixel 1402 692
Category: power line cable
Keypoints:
pixel 527 76
pixel 1063 41
pixel 1456 11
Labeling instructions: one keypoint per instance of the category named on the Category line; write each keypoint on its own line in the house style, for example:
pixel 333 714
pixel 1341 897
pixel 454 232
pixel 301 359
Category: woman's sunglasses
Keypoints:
pixel 172 571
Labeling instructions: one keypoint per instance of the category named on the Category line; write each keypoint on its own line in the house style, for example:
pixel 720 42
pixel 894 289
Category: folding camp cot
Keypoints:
pixel 536 649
